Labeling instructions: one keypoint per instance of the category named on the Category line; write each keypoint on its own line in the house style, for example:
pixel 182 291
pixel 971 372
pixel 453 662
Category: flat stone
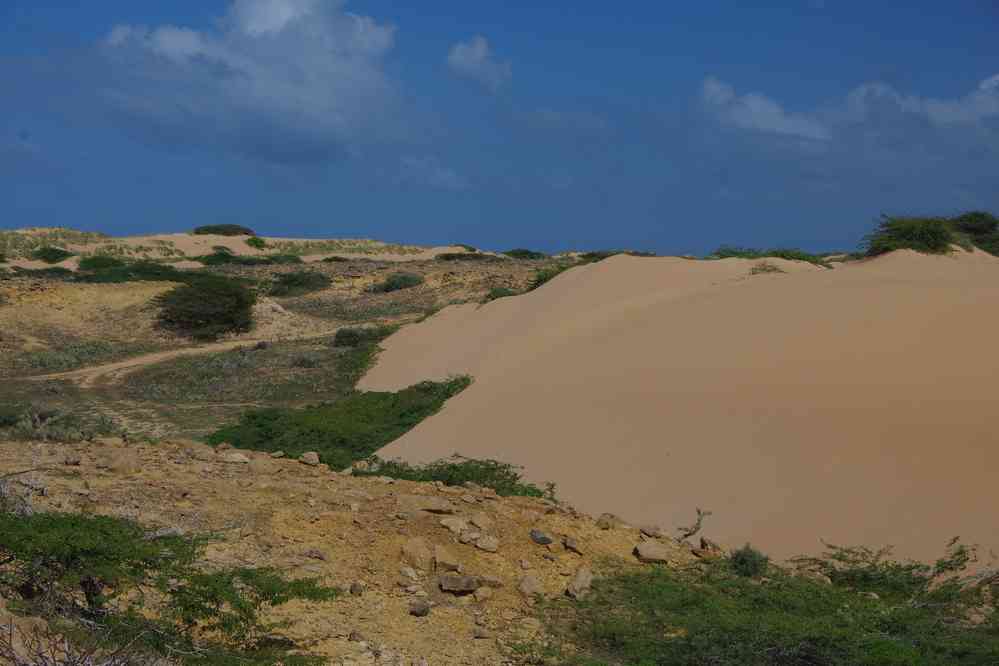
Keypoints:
pixel 653 531
pixel 653 552
pixel 571 545
pixel 310 458
pixel 530 586
pixel 481 520
pixel 417 554
pixel 445 560
pixel 459 584
pixel 490 544
pixel 540 538
pixel 454 524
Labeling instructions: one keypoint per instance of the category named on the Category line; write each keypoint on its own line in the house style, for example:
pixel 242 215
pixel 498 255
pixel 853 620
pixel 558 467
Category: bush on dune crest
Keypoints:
pixel 504 478
pixel 223 230
pixel 923 234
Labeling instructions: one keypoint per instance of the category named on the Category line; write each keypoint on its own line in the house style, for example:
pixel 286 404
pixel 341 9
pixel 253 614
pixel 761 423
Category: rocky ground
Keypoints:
pixel 431 574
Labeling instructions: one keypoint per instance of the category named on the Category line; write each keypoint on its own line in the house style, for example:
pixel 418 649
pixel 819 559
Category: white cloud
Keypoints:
pixel 978 105
pixel 755 111
pixel 428 171
pixel 283 79
pixel 473 59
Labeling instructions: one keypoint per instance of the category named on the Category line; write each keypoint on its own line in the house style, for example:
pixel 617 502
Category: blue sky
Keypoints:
pixel 666 126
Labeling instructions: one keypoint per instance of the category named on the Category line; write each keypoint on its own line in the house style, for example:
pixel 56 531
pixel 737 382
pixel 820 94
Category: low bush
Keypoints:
pixel 522 253
pixel 749 562
pixel 504 478
pixel 929 235
pixel 256 242
pixel 68 356
pixel 335 260
pixel 30 423
pixel 543 275
pixel 3 258
pixel 223 230
pixel 100 262
pixel 397 282
pixel 466 256
pixel 207 308
pixel 352 337
pixel 874 613
pixel 299 283
pixel 793 254
pixel 51 255
pixel 499 292
pixel 976 223
pixel 226 258
pixel 350 429
pixel 94 575
pixel 600 255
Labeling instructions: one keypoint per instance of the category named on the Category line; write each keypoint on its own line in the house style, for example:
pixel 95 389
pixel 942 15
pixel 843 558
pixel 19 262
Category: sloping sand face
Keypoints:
pixel 853 405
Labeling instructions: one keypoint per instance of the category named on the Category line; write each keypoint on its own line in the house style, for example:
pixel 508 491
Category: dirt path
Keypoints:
pixel 112 373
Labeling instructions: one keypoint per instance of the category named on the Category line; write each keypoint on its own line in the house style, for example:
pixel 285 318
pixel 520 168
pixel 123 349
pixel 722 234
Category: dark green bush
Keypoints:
pixel 3 258
pixel 100 262
pixel 139 271
pixel 923 234
pixel 256 242
pixel 466 256
pixel 224 258
pixel 522 253
pixel 499 292
pixel 335 260
pixel 976 223
pixel 352 337
pixel 299 283
pixel 989 243
pixel 350 429
pixel 207 308
pixel 504 478
pixel 223 230
pixel 51 273
pixel 91 573
pixel 397 281
pixel 543 275
pixel 749 562
pixel 667 616
pixel 51 255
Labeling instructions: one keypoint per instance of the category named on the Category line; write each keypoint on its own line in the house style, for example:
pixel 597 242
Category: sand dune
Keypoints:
pixel 853 405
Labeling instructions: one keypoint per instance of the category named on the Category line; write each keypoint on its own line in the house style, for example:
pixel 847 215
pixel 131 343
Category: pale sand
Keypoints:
pixel 855 405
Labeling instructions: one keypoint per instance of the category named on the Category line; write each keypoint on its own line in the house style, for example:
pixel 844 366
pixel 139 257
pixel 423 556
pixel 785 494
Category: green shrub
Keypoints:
pixel 522 253
pixel 223 230
pixel 50 273
pixel 256 242
pixel 499 292
pixel 3 258
pixel 976 223
pixel 69 355
pixel 465 246
pixel 139 271
pixel 466 256
pixel 91 574
pixel 207 308
pixel 226 258
pixel 665 616
pixel 543 275
pixel 989 243
pixel 350 429
pixel 100 262
pixel 335 260
pixel 922 234
pixel 299 283
pixel 749 562
pixel 793 254
pixel 504 478
pixel 352 337
pixel 398 281
pixel 51 255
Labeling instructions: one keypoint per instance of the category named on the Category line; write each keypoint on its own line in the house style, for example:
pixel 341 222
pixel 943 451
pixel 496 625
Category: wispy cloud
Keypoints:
pixel 474 60
pixel 755 111
pixel 427 171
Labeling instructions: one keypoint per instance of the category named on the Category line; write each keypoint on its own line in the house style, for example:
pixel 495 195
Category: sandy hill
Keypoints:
pixel 852 405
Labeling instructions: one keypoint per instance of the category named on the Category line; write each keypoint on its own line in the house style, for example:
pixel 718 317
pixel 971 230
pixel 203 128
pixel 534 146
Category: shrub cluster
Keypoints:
pixel 299 283
pixel 256 242
pixel 466 256
pixel 51 255
pixel 397 282
pixel 923 234
pixel 207 308
pixel 353 337
pixel 227 257
pixel 523 253
pixel 504 478
pixel 350 429
pixel 499 292
pixel 793 254
pixel 223 230
pixel 100 262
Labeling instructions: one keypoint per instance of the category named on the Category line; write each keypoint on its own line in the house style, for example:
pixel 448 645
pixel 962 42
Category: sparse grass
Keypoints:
pixel 223 230
pixel 465 246
pixel 397 282
pixel 51 255
pixel 793 254
pixel 765 267
pixel 21 422
pixel 357 309
pixel 335 260
pixel 20 244
pixel 350 429
pixel 874 613
pixel 504 478
pixel 928 235
pixel 347 246
pixel 67 356
pixel 522 253
pixel 299 283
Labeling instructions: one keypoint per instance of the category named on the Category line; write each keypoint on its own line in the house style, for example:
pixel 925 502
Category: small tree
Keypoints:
pixel 208 308
pixel 51 255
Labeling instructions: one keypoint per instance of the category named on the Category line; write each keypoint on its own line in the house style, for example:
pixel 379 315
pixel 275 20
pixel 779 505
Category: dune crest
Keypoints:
pixel 851 405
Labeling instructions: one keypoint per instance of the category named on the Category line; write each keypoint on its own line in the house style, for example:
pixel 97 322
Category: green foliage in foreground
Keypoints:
pixel 350 429
pixel 51 255
pixel 223 230
pixel 504 478
pixel 397 281
pixel 299 283
pixel 92 575
pixel 794 254
pixel 207 308
pixel 876 612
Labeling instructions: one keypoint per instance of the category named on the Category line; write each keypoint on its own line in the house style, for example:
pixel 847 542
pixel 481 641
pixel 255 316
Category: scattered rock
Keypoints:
pixel 469 536
pixel 483 594
pixel 580 584
pixel 417 554
pixel 490 544
pixel 540 538
pixel 315 554
pixel 481 520
pixel 455 524
pixel 525 565
pixel 608 521
pixel 419 607
pixel 459 584
pixel 428 503
pixel 235 458
pixel 480 632
pixel 72 459
pixel 652 552
pixel 355 637
pixel 530 586
pixel 653 531
pixel 223 446
pixel 310 458
pixel 445 560
pixel 278 454
pixel 571 545
pixel 356 588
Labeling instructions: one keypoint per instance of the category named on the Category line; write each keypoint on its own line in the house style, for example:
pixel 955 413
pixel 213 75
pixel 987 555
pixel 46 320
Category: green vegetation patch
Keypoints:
pixel 223 230
pixel 51 255
pixel 397 282
pixel 299 283
pixel 100 262
pixel 227 258
pixel 504 478
pixel 207 308
pixel 499 292
pixel 524 253
pixel 361 335
pixel 109 580
pixel 256 242
pixel 467 256
pixel 875 612
pixel 793 254
pixel 929 235
pixel 350 429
